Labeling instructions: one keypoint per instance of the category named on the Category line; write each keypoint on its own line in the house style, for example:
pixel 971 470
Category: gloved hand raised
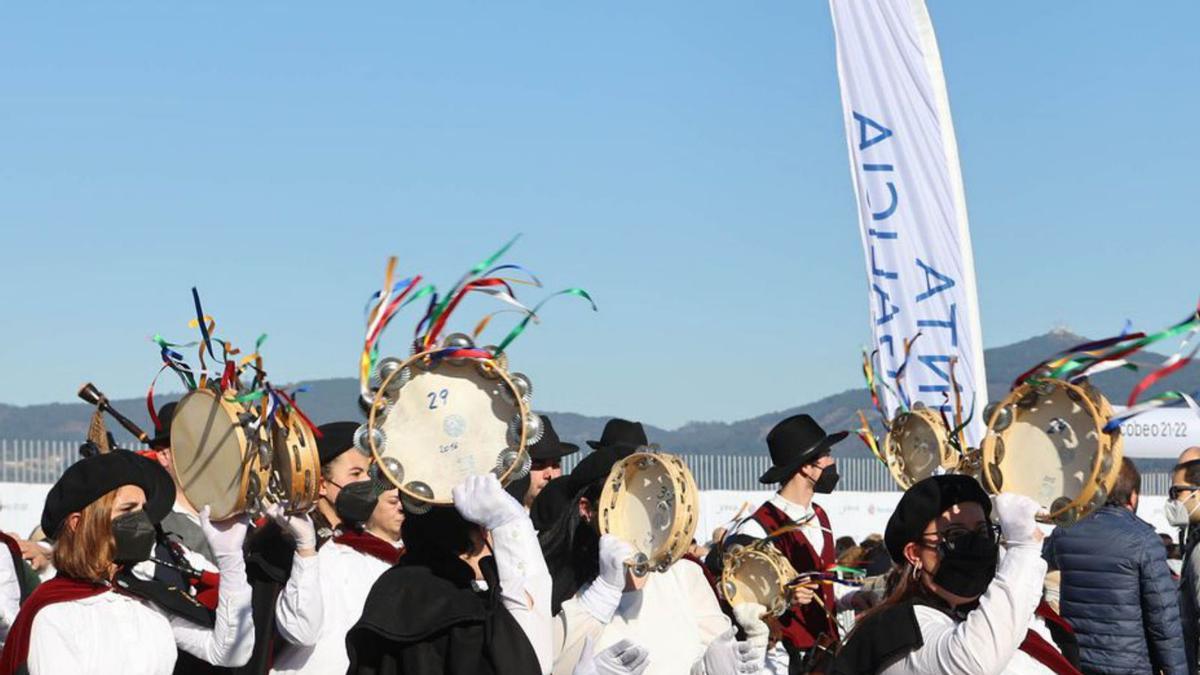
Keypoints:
pixel 749 616
pixel 299 525
pixel 1016 516
pixel 613 555
pixel 225 537
pixel 481 500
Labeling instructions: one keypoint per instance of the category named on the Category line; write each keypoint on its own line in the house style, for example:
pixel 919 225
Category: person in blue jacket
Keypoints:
pixel 1117 591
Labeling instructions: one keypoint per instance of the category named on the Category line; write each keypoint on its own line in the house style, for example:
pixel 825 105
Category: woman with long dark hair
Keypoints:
pixel 957 606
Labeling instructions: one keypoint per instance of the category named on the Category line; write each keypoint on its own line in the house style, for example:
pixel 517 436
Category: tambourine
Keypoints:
pixel 1046 440
pixel 650 500
pixel 296 465
pixel 917 446
pixel 221 454
pixel 757 573
pixel 435 420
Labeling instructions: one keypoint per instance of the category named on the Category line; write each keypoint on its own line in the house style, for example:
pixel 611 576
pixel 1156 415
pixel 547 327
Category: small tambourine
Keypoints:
pixel 650 500
pixel 434 420
pixel 756 573
pixel 296 465
pixel 1046 440
pixel 918 446
pixel 221 456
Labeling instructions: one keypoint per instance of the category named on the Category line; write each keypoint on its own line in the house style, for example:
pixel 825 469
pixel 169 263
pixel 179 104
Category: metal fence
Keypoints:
pixel 40 461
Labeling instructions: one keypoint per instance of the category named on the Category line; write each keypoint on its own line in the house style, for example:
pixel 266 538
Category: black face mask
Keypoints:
pixel 135 536
pixel 827 480
pixel 356 501
pixel 968 563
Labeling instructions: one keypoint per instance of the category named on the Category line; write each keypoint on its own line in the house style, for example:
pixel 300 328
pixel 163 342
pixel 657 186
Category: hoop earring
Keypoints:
pixel 915 573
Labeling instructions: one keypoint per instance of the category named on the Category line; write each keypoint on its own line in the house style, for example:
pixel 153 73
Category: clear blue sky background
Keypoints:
pixel 683 161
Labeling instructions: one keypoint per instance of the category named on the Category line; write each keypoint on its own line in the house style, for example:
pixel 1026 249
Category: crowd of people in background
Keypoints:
pixel 126 576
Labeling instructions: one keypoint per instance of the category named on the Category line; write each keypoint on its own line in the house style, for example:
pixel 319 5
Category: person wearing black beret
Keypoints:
pixel 958 606
pixel 92 617
pixel 802 465
pixel 341 463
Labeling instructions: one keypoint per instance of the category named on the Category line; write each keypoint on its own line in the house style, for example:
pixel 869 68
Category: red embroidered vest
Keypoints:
pixel 802 625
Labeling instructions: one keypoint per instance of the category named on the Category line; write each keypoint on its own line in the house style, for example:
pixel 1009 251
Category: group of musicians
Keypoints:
pixel 511 579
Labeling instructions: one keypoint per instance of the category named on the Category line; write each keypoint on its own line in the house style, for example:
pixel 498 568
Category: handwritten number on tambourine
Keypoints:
pixel 434 396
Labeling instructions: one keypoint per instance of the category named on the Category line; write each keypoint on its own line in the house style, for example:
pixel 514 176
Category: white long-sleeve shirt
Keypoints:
pixel 116 633
pixel 321 601
pixel 675 616
pixel 10 593
pixel 988 641
pixel 525 585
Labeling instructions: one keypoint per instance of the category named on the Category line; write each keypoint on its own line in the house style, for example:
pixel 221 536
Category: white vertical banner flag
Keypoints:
pixel 911 207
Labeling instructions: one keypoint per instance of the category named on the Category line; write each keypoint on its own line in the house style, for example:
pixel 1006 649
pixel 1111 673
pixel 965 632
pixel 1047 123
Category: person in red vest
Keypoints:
pixel 802 466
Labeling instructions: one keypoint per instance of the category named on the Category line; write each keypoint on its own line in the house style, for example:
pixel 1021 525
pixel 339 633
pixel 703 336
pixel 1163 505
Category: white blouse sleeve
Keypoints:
pixel 50 641
pixel 300 608
pixel 231 641
pixel 525 585
pixel 991 634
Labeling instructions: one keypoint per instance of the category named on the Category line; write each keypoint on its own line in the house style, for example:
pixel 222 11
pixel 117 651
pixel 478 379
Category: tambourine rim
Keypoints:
pixel 675 467
pixel 234 409
pixel 774 558
pixel 377 457
pixel 313 455
pixel 943 434
pixel 988 444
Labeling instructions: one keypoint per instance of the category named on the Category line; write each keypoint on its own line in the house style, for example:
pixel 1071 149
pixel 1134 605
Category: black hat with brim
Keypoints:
pixel 621 433
pixel 93 477
pixel 926 500
pixel 549 446
pixel 336 438
pixel 794 442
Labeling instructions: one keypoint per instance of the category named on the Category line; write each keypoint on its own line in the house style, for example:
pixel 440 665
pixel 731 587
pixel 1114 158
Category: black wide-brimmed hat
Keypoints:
pixel 925 500
pixel 162 435
pixel 621 433
pixel 549 446
pixel 336 438
pixel 794 442
pixel 93 477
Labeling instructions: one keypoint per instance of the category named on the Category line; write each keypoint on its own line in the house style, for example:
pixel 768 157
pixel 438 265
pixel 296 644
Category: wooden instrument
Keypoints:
pixel 650 500
pixel 88 392
pixel 757 573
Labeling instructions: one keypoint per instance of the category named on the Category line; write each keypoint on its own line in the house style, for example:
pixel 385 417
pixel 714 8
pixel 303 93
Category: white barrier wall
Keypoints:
pixel 854 514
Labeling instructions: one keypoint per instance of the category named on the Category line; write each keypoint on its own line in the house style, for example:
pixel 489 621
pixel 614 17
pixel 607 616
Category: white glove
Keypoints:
pixel 623 658
pixel 225 537
pixel 602 596
pixel 725 655
pixel 299 525
pixel 1015 513
pixel 749 616
pixel 481 500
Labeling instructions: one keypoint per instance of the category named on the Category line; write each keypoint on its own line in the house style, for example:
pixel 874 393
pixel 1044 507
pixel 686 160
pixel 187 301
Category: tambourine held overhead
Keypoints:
pixel 651 501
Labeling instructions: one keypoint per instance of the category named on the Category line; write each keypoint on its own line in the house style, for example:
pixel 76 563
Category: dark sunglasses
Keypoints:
pixel 1175 490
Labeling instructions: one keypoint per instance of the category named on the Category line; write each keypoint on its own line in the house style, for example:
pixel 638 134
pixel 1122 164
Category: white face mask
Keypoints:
pixel 1179 513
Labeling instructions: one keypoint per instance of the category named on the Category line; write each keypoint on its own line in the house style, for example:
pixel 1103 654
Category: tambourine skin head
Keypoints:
pixel 757 573
pixel 445 423
pixel 917 445
pixel 1046 440
pixel 650 500
pixel 215 461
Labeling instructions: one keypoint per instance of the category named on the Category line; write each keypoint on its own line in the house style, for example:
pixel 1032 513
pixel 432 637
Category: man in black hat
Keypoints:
pixel 546 456
pixel 802 465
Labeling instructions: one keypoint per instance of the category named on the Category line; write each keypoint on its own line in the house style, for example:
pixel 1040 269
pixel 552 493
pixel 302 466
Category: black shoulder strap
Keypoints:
pixel 173 600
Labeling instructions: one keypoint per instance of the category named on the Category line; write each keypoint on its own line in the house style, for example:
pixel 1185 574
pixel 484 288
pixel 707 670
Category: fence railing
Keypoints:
pixel 41 461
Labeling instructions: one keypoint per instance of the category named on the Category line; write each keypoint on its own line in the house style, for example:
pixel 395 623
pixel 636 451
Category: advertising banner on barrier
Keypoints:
pixel 911 207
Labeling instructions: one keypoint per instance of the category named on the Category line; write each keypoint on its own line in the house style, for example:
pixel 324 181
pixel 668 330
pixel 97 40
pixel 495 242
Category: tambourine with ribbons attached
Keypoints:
pixel 1047 441
pixel 650 501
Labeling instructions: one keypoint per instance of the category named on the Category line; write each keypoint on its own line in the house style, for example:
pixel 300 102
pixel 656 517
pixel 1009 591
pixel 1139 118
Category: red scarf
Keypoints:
pixel 1044 652
pixel 369 544
pixel 58 589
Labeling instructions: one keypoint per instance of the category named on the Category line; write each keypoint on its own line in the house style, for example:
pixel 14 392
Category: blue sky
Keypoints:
pixel 685 162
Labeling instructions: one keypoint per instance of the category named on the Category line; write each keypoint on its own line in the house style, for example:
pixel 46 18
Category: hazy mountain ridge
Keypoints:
pixel 334 399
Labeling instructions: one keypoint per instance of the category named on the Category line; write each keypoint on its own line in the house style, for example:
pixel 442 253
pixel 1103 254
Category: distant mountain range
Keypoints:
pixel 336 399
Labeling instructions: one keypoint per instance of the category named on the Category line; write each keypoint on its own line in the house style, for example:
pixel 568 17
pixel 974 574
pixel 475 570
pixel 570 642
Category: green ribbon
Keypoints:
pixel 520 327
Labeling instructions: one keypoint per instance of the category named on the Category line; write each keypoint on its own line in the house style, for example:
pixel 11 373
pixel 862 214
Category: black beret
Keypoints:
pixel 93 477
pixel 925 500
pixel 336 438
pixel 595 467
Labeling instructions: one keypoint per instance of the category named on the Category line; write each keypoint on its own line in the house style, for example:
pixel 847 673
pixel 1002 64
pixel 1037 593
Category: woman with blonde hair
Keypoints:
pixel 95 616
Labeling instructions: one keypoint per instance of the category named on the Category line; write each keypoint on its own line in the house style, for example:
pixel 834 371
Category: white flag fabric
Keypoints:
pixel 911 207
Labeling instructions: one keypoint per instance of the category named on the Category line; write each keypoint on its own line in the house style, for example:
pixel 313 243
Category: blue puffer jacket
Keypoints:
pixel 1118 594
